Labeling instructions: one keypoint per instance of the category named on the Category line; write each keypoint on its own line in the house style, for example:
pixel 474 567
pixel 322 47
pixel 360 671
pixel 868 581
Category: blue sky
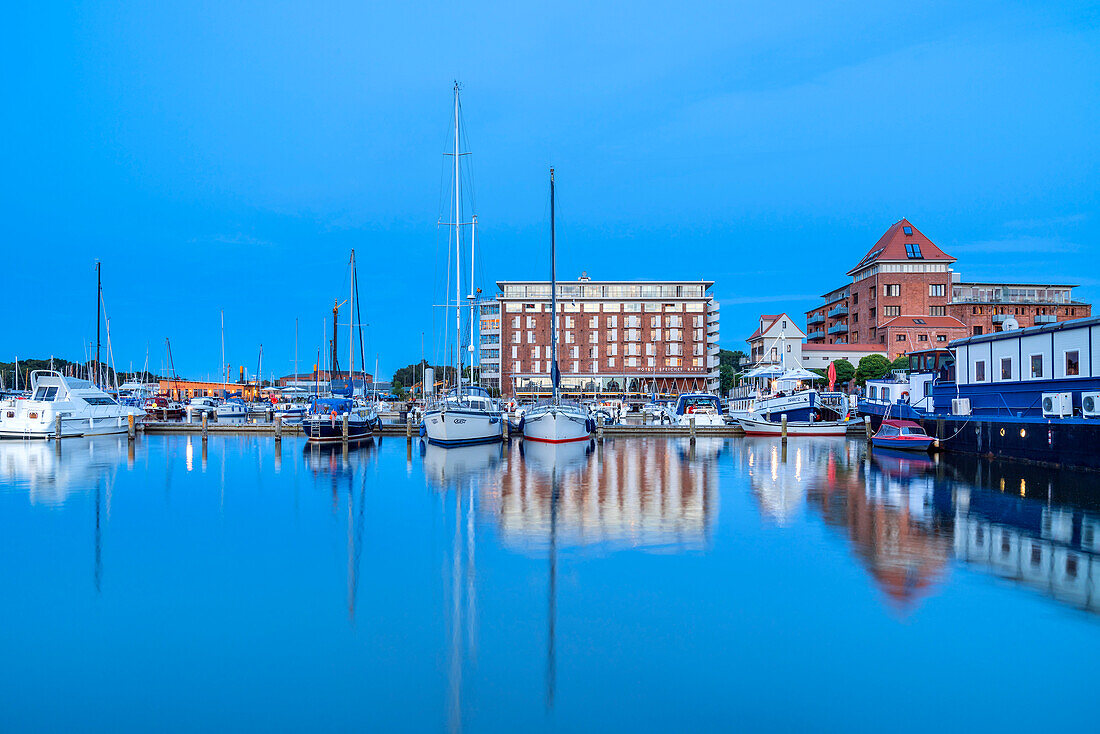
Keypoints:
pixel 229 155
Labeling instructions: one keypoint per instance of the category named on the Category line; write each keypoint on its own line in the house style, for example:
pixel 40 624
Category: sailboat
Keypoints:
pixel 229 407
pixel 467 414
pixel 556 421
pixel 324 421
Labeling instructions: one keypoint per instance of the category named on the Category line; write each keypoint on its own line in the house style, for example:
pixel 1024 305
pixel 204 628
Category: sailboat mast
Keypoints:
pixel 458 259
pixel 98 300
pixel 553 298
pixel 351 328
pixel 225 367
pixel 472 297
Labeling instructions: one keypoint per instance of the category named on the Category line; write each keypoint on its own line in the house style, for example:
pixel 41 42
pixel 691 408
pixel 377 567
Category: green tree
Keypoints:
pixel 731 358
pixel 901 363
pixel 872 367
pixel 844 371
pixel 726 378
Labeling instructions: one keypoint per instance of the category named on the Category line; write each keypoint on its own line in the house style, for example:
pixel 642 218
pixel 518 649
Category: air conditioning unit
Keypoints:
pixel 1057 404
pixel 960 406
pixel 1090 404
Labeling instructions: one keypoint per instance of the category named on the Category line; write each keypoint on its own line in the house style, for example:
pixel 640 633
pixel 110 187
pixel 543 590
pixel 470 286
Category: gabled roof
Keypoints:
pixel 766 321
pixel 935 322
pixel 892 246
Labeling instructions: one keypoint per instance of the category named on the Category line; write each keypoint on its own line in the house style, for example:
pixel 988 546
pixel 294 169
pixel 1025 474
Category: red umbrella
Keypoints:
pixel 832 375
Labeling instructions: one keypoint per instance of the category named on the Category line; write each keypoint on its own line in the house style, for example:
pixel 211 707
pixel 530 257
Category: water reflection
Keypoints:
pixel 49 471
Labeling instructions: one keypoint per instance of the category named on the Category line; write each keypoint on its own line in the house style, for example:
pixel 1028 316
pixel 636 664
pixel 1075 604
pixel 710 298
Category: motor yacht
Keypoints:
pixel 231 408
pixel 83 409
pixel 197 407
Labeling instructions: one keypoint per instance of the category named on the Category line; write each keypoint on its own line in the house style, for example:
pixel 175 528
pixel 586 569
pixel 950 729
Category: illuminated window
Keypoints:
pixel 1073 363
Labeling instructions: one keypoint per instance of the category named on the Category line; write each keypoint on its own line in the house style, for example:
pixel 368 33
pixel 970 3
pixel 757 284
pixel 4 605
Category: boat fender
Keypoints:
pixel 423 431
pixel 590 424
pixel 522 420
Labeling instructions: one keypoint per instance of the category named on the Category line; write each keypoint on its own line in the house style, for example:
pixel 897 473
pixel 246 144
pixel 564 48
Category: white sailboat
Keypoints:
pixel 467 414
pixel 556 420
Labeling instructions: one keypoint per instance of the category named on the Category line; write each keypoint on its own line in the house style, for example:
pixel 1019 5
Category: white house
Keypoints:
pixel 777 341
pixel 818 356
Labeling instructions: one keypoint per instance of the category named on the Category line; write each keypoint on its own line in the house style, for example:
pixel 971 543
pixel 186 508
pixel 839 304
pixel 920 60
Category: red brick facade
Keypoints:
pixel 906 275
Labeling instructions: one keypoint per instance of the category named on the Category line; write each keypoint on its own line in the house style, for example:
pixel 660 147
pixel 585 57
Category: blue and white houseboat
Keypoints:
pixel 1028 394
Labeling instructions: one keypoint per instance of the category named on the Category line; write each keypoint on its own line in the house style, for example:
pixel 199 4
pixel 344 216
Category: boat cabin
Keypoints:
pixel 689 403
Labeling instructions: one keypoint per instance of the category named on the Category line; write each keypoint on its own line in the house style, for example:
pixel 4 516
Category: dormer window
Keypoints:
pixel 907 230
pixel 913 251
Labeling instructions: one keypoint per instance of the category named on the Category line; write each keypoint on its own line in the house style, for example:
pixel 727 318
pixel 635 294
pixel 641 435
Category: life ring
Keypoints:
pixel 332 415
pixel 904 397
pixel 691 409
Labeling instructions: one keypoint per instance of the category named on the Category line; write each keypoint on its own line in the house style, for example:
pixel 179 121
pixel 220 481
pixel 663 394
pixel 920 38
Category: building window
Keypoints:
pixel 788 348
pixel 1073 363
pixel 907 230
pixel 977 331
pixel 937 310
pixel 1036 366
pixel 936 289
pixel 941 337
pixel 1006 368
pixel 900 337
pixel 922 338
pixel 610 361
pixel 891 289
pixel 775 354
pixel 891 311
pixel 912 251
pixel 979 371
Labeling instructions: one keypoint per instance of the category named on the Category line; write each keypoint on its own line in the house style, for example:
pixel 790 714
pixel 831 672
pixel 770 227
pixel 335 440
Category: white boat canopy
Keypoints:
pixel 799 373
pixel 763 371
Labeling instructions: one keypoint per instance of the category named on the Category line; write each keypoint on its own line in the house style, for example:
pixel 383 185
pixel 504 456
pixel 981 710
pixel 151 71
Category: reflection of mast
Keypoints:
pixel 455 677
pixel 98 573
pixel 551 651
pixel 355 545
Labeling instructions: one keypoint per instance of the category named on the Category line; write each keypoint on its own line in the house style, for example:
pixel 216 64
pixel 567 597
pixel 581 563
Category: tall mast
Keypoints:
pixel 351 328
pixel 554 375
pixel 98 300
pixel 295 352
pixel 225 367
pixel 458 259
pixel 472 297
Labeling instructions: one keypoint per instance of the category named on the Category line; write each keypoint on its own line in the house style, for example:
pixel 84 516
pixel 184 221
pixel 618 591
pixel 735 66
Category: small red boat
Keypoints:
pixel 899 434
pixel 162 407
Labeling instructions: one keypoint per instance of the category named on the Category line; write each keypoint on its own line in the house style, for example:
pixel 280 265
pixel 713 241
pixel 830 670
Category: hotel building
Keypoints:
pixel 905 295
pixel 615 337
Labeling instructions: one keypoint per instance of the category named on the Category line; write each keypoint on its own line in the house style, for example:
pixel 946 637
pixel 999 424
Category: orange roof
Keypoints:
pixel 893 246
pixel 936 322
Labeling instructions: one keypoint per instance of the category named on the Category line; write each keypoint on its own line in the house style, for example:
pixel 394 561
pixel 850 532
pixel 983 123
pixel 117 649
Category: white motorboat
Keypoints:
pixel 196 407
pixel 231 408
pixel 754 425
pixel 84 409
pixel 705 409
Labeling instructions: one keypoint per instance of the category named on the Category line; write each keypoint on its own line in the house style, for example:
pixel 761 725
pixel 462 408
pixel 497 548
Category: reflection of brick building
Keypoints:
pixel 905 295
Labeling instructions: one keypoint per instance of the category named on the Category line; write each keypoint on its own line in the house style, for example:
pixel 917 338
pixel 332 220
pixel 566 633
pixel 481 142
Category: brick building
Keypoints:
pixel 614 336
pixel 904 294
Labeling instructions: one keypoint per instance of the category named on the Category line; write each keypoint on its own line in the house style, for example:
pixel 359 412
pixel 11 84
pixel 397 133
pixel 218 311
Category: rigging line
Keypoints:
pixel 362 354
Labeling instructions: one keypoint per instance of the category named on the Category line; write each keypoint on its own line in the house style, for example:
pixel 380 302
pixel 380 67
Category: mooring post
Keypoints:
pixel 783 427
pixel 57 427
pixel 278 428
pixel 408 426
pixel 344 428
pixel 205 415
pixel 691 423
pixel 599 427
pixel 506 427
pixel 645 417
pixel 867 427
pixel 131 432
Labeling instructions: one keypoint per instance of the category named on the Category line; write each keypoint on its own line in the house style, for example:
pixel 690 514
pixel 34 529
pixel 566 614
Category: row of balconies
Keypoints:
pixel 838 311
pixel 840 328
pixel 816 334
pixel 815 319
pixel 1045 318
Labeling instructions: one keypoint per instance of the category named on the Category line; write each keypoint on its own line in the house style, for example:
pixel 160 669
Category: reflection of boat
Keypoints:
pixel 901 435
pixel 901 463
pixel 560 457
pixel 84 409
pixel 445 466
pixel 331 458
pixel 755 426
pixel 49 477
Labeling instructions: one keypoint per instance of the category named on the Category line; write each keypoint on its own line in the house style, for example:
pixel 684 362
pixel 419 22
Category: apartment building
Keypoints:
pixel 614 337
pixel 905 295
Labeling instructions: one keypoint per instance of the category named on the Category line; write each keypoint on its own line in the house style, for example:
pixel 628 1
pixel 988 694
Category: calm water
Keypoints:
pixel 641 586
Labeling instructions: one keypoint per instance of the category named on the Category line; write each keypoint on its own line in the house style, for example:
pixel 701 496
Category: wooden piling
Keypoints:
pixel 783 427
pixel 131 432
pixel 691 423
pixel 278 428
pixel 599 428
pixel 867 427
pixel 205 416
pixel 344 434
pixel 645 418
pixel 57 427
pixel 507 427
pixel 409 426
